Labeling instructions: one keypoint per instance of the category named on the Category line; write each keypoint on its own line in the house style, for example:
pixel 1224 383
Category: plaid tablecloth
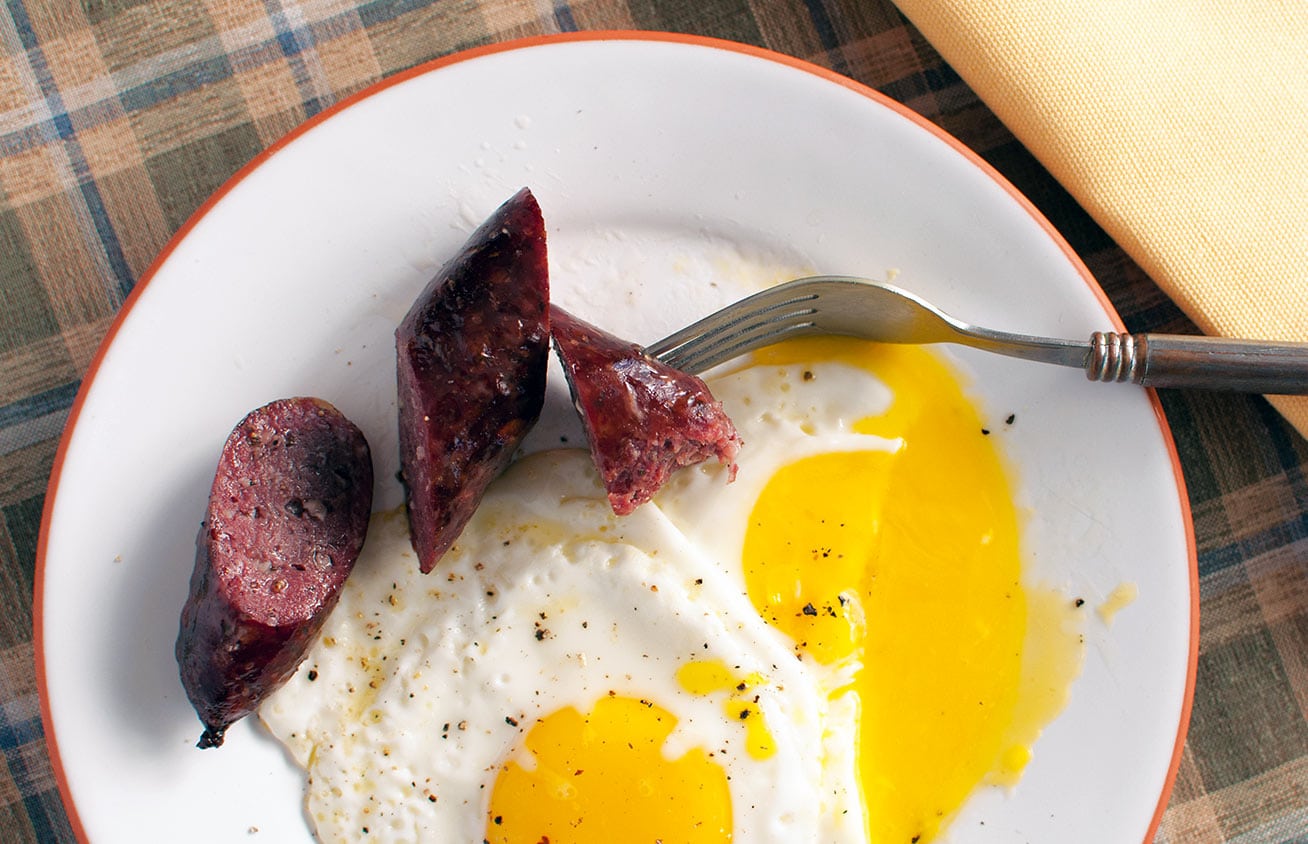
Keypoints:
pixel 118 118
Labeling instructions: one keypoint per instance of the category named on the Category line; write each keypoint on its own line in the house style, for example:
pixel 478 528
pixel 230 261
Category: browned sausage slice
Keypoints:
pixel 471 359
pixel 643 418
pixel 287 517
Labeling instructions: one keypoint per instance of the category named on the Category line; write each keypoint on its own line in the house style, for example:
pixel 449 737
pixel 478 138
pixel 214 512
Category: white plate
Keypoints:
pixel 673 171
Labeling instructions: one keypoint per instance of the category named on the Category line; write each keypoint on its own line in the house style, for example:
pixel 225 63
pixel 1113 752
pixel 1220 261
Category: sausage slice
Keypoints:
pixel 287 517
pixel 644 419
pixel 471 356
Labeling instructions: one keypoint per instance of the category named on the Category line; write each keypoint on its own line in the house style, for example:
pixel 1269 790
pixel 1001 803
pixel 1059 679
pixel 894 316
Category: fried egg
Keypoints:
pixel 833 648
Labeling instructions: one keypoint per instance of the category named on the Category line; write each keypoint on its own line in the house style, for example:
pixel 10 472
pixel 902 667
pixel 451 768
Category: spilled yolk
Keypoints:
pixel 709 677
pixel 602 777
pixel 903 564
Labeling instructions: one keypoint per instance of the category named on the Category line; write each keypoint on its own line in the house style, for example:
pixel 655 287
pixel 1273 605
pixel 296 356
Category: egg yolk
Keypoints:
pixel 902 563
pixel 706 677
pixel 603 777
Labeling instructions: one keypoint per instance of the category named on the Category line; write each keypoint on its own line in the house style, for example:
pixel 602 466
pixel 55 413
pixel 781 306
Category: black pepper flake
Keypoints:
pixel 312 675
pixel 809 609
pixel 808 375
pixel 1079 602
pixel 1012 417
pixel 740 687
pixel 510 720
pixel 985 432
pixel 499 819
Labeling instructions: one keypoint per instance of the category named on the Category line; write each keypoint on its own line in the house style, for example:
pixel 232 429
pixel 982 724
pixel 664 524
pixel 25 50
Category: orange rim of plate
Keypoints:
pixel 38 635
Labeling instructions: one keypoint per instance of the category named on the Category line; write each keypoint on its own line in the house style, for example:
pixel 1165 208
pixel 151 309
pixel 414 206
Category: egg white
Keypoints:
pixel 420 687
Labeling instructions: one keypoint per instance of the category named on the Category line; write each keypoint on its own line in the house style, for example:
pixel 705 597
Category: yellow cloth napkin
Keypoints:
pixel 1180 125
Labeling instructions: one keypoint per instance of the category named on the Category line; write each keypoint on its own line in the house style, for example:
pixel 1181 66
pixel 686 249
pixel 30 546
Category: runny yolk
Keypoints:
pixel 899 569
pixel 904 564
pixel 706 677
pixel 603 777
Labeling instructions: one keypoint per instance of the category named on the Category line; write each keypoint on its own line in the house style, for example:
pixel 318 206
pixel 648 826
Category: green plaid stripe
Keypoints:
pixel 119 117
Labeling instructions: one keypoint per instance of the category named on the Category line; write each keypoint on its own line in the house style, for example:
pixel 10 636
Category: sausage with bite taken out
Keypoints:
pixel 644 419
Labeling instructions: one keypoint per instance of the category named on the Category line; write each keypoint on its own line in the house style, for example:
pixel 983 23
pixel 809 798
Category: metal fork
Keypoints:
pixel 876 311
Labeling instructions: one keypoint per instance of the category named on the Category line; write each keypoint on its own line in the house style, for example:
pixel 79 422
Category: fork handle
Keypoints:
pixel 1205 363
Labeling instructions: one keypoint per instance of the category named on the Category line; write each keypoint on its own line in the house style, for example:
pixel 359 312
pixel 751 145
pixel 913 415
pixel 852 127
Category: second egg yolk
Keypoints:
pixel 602 777
pixel 903 563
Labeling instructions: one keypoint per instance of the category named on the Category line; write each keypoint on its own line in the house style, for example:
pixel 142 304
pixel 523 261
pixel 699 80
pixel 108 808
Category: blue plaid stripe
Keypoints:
pixel 20 725
pixel 105 241
pixel 22 746
pixel 32 430
pixel 385 11
pixel 297 41
pixel 162 78
pixel 55 401
pixel 563 17
pixel 204 70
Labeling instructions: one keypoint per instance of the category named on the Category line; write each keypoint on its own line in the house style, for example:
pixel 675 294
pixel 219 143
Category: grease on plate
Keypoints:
pixel 1122 596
